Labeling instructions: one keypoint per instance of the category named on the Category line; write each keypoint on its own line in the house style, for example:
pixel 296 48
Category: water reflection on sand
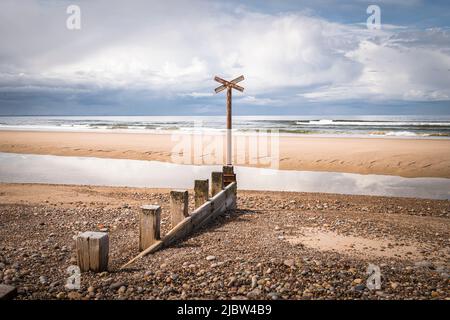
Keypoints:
pixel 25 168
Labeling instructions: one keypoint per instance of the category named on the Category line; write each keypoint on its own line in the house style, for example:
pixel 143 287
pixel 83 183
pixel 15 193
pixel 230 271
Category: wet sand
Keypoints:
pixel 389 156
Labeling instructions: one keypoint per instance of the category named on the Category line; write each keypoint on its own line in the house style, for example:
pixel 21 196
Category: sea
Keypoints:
pixel 431 127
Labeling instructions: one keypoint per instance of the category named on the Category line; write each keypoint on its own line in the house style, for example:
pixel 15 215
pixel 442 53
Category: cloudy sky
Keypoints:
pixel 159 57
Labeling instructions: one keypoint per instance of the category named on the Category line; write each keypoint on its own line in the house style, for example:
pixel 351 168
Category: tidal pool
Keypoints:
pixel 26 168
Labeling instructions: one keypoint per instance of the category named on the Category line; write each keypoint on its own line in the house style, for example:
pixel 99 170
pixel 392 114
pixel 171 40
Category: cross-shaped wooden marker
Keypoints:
pixel 229 85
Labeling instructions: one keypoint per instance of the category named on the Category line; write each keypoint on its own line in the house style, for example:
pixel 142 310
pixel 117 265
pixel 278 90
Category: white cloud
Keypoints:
pixel 258 101
pixel 177 47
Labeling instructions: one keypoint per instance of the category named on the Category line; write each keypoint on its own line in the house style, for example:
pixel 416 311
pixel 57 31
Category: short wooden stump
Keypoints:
pixel 93 251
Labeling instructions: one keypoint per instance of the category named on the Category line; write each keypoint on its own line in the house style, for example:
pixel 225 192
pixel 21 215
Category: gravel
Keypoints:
pixel 244 254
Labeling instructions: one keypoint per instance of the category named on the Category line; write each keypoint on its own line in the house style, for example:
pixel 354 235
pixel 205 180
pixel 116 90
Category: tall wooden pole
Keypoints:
pixel 229 147
pixel 229 85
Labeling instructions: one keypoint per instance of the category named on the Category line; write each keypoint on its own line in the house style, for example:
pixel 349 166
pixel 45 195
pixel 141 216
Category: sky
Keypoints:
pixel 141 57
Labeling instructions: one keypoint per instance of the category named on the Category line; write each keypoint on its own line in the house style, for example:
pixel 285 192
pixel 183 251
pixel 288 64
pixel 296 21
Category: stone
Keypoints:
pixel 210 258
pixel 423 264
pixel 232 281
pixel 307 293
pixel 289 262
pixel 74 295
pixel 360 287
pixel 61 295
pixel 273 296
pixel 254 293
pixel 116 285
pixel 254 282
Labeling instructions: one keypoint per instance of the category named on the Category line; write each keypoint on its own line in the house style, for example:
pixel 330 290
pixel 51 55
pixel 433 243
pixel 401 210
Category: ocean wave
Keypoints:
pixel 382 126
pixel 373 123
pixel 397 133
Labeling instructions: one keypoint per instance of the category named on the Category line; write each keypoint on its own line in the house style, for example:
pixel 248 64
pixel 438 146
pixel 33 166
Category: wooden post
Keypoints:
pixel 7 292
pixel 228 175
pixel 149 226
pixel 229 145
pixel 178 206
pixel 229 85
pixel 93 251
pixel 201 189
pixel 216 183
pixel 217 205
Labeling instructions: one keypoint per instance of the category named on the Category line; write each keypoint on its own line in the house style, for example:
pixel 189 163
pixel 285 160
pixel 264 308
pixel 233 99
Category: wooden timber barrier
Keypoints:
pixel 221 202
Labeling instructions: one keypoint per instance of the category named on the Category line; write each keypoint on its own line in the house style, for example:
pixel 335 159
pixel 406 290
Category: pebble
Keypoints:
pixel 394 285
pixel 360 287
pixel 254 293
pixel 307 293
pixel 232 281
pixel 273 296
pixel 263 268
pixel 116 285
pixel 254 281
pixel 61 295
pixel 423 264
pixel 74 295
pixel 289 262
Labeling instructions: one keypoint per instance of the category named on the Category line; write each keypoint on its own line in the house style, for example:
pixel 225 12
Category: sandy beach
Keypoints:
pixel 274 246
pixel 389 156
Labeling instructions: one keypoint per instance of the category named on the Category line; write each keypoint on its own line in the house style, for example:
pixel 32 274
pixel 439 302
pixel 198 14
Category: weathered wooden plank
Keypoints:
pixel 153 248
pixel 178 232
pixel 201 190
pixel 238 79
pixel 220 80
pixel 229 84
pixel 149 226
pixel 221 88
pixel 178 206
pixel 237 87
pixel 82 244
pixel 216 182
pixel 98 251
pixel 217 205
pixel 93 251
pixel 200 213
pixel 218 198
pixel 7 292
